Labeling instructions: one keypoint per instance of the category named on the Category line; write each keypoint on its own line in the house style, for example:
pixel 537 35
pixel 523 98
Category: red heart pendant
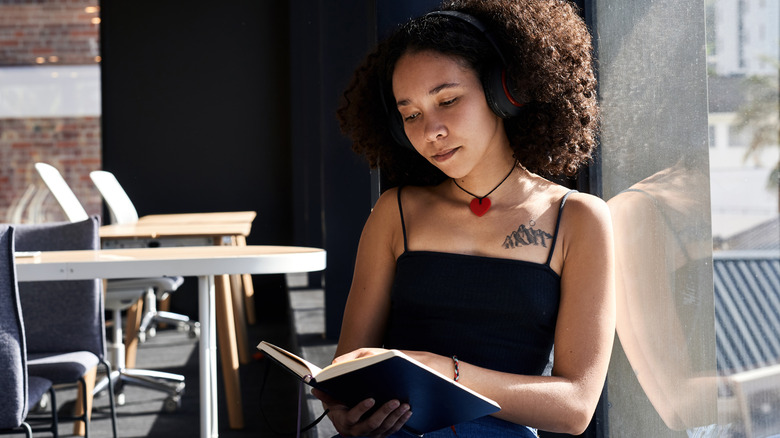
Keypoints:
pixel 480 206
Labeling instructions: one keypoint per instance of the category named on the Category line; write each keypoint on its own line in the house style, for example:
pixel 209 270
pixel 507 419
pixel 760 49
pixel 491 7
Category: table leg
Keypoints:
pixel 132 325
pixel 209 427
pixel 248 289
pixel 239 318
pixel 237 303
pixel 228 353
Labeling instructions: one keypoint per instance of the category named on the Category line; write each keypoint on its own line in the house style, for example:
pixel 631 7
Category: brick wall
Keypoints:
pixel 72 145
pixel 48 32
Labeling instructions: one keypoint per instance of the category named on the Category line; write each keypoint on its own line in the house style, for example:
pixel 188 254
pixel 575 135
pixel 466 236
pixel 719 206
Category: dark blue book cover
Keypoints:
pixel 436 401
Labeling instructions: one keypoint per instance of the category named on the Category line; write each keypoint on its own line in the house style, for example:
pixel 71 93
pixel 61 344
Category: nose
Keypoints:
pixel 435 129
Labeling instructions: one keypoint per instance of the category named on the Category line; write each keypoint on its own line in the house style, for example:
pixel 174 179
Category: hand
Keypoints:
pixel 356 354
pixel 385 421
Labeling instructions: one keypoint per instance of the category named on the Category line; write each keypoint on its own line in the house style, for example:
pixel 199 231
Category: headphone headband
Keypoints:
pixel 474 22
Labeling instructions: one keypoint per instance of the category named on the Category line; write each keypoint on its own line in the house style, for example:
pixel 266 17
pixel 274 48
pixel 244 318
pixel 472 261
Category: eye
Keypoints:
pixel 411 117
pixel 449 102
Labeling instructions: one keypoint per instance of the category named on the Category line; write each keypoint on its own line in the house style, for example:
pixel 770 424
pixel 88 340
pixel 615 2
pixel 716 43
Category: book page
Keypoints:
pixel 294 363
pixel 341 368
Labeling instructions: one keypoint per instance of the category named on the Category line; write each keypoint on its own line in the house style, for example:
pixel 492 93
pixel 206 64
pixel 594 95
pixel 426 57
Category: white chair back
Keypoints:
pixel 119 204
pixel 17 209
pixel 62 192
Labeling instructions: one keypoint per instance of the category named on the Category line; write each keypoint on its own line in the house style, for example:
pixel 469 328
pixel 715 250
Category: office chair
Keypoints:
pixel 120 295
pixel 20 391
pixel 123 211
pixel 64 320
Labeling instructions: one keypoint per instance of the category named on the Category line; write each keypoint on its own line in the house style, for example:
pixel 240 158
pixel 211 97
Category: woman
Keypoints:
pixel 473 266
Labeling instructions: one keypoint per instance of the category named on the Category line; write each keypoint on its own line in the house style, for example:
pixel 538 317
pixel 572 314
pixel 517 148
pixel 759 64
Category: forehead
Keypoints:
pixel 421 70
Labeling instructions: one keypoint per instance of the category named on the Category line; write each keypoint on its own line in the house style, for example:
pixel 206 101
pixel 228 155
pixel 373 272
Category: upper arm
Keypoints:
pixel 368 304
pixel 586 317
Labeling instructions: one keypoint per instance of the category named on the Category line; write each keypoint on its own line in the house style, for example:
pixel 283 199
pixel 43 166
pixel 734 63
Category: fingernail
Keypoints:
pixel 394 404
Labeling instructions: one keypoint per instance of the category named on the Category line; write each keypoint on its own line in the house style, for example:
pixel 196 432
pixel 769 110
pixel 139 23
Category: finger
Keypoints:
pixel 356 413
pixel 400 423
pixel 385 417
pixel 396 419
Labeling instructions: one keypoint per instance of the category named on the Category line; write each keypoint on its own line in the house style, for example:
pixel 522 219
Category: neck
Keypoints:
pixel 492 190
pixel 480 182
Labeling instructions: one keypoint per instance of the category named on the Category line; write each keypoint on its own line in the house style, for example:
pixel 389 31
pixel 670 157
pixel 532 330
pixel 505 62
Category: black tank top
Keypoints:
pixel 492 312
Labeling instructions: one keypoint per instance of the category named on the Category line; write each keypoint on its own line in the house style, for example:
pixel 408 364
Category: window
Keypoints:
pixel 696 227
pixel 738 137
pixel 711 135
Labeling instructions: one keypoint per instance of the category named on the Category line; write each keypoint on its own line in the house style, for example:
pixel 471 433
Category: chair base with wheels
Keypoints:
pixel 152 316
pixel 121 295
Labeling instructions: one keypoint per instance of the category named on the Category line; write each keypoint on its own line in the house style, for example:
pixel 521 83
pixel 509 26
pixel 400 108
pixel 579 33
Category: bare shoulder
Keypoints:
pixel 383 229
pixel 384 214
pixel 583 210
pixel 387 203
pixel 586 231
pixel 389 206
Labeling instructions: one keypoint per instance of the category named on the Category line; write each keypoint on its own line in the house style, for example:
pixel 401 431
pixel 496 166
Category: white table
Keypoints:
pixel 203 262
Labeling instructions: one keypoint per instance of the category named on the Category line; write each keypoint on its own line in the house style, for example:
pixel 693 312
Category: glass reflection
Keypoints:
pixel 662 380
pixel 698 351
pixel 664 364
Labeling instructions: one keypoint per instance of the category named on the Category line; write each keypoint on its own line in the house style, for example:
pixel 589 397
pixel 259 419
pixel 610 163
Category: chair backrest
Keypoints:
pixel 13 377
pixel 119 204
pixel 62 192
pixel 19 205
pixel 61 316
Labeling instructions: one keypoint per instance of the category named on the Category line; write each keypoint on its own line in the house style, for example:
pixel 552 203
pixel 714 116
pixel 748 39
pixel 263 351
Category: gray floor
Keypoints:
pixel 269 394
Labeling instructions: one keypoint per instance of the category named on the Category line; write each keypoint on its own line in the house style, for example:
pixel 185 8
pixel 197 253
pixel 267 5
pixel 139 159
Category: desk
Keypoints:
pixel 200 229
pixel 153 230
pixel 203 262
pixel 234 224
pixel 198 218
pixel 191 229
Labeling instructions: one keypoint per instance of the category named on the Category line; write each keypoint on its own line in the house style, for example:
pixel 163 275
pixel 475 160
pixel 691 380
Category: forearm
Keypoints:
pixel 549 403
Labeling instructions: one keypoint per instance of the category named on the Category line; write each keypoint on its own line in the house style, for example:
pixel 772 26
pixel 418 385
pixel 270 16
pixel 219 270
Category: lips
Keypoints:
pixel 445 155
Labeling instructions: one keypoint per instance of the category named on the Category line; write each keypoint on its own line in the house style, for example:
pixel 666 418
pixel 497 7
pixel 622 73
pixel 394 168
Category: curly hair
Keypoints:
pixel 547 51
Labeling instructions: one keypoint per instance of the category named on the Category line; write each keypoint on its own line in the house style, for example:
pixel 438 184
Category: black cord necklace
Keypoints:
pixel 481 204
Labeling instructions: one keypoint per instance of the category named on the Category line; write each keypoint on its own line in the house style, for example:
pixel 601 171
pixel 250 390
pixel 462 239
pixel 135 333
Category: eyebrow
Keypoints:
pixel 433 91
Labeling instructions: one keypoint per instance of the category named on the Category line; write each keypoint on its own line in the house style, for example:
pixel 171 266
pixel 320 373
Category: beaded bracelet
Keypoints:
pixel 457 370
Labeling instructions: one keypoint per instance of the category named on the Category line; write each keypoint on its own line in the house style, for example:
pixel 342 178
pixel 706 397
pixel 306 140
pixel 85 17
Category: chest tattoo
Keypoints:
pixel 526 235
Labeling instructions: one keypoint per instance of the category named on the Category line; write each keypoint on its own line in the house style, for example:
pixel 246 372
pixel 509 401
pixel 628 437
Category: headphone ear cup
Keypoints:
pixel 498 96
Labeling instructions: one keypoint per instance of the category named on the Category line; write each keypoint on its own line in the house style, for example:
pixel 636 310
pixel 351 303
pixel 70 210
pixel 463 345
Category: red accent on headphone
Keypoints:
pixel 506 90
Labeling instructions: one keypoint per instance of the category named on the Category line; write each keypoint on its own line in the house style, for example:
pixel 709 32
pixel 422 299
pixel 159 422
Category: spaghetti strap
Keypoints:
pixel 557 226
pixel 401 211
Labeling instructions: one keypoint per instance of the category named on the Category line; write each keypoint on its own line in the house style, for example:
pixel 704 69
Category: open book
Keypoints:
pixel 436 401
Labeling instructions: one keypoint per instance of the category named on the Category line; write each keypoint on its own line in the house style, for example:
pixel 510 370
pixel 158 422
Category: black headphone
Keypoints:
pixel 497 93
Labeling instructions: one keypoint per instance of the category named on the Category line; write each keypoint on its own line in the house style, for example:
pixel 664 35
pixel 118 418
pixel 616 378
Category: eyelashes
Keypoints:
pixel 446 103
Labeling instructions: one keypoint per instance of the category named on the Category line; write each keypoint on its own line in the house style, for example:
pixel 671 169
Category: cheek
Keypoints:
pixel 415 132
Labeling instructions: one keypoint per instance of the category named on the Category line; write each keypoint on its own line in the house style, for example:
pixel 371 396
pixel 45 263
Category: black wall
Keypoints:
pixel 327 40
pixel 196 108
pixel 225 106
